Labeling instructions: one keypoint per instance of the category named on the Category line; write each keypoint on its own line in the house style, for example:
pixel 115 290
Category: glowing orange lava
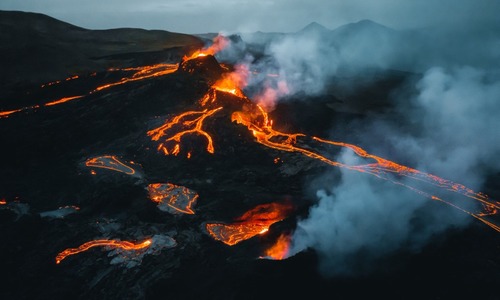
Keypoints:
pixel 253 222
pixel 125 245
pixel 5 114
pixel 190 122
pixel 256 120
pixel 280 249
pixel 233 82
pixel 220 42
pixel 109 162
pixel 62 100
pixel 173 198
pixel 139 73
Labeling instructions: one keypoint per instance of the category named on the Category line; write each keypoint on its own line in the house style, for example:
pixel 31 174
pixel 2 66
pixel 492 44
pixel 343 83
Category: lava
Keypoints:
pixel 138 73
pixel 254 222
pixel 62 100
pixel 125 245
pixel 219 43
pixel 5 114
pixel 187 123
pixel 233 82
pixel 255 118
pixel 111 163
pixel 173 198
pixel 280 250
pixel 141 73
pixel 251 114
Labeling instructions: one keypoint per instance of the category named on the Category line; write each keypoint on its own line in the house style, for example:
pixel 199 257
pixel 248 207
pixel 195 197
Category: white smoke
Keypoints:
pixel 447 125
pixel 304 62
pixel 364 218
pixel 309 59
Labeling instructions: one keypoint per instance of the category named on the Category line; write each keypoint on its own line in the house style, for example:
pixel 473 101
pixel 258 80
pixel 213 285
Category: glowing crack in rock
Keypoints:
pixel 110 162
pixel 173 198
pixel 108 244
pixel 254 222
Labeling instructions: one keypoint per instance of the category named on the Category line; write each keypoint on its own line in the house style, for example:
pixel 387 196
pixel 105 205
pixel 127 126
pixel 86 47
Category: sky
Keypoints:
pixel 203 16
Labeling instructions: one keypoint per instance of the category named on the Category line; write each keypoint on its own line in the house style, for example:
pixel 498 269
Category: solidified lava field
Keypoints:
pixel 164 180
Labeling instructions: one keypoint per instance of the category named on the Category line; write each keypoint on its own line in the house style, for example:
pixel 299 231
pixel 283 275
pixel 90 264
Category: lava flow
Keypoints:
pixel 138 73
pixel 256 120
pixel 62 100
pixel 111 163
pixel 173 198
pixel 187 123
pixel 125 245
pixel 141 73
pixel 253 222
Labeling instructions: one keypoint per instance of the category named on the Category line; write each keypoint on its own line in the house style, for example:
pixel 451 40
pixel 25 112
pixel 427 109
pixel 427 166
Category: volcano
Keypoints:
pixel 160 178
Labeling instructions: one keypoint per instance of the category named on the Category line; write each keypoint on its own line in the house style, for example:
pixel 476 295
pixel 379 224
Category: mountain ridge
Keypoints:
pixel 52 49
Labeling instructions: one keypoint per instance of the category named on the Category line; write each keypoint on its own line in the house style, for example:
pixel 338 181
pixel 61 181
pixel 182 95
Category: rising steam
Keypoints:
pixel 445 125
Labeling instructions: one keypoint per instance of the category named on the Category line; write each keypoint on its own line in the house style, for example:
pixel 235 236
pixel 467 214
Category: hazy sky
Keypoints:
pixel 201 16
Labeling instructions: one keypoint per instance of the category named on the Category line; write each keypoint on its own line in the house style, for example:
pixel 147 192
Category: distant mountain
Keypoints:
pixel 363 26
pixel 37 48
pixel 315 27
pixel 341 35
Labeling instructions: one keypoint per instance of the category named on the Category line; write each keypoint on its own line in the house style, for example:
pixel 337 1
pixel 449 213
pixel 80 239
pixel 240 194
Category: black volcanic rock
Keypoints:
pixel 35 48
pixel 44 151
pixel 205 66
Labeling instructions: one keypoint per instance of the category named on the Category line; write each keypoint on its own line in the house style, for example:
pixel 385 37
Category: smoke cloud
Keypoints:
pixel 363 219
pixel 445 124
pixel 308 60
pixel 359 221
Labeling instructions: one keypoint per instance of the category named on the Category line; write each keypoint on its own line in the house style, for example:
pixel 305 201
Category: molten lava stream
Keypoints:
pixel 190 122
pixel 382 168
pixel 256 119
pixel 253 222
pixel 62 100
pixel 125 245
pixel 139 73
pixel 7 113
